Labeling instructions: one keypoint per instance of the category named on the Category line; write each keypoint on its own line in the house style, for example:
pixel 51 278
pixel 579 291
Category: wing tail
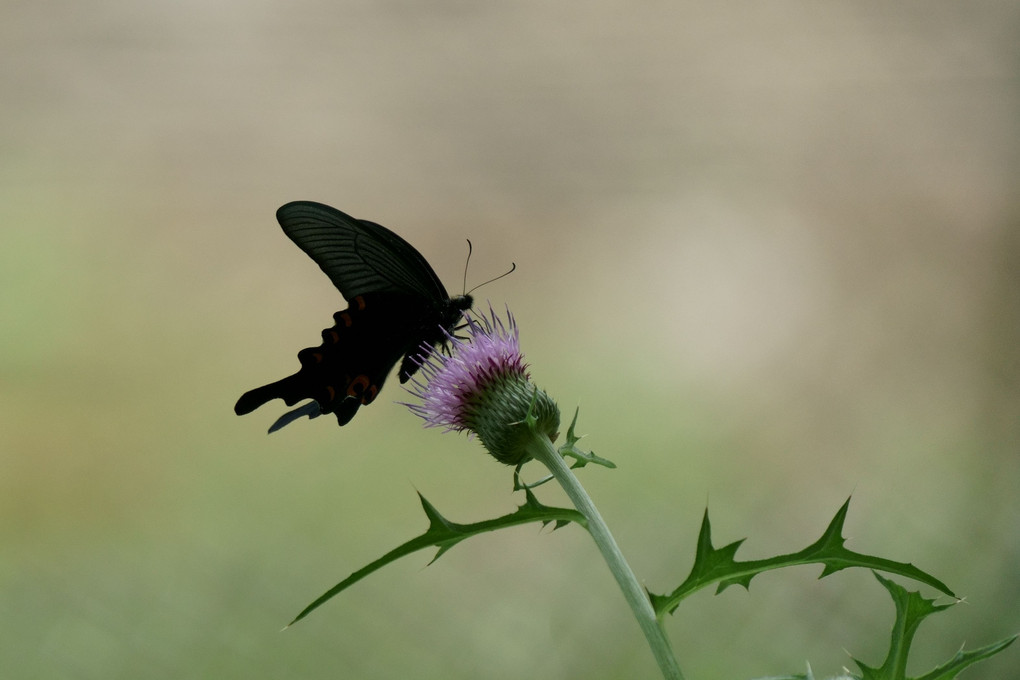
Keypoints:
pixel 311 409
pixel 291 389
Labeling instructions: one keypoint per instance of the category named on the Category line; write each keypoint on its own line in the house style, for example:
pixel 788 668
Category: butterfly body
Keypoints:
pixel 396 306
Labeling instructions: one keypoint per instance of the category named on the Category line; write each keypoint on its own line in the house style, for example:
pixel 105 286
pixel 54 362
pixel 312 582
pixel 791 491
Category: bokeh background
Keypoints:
pixel 771 249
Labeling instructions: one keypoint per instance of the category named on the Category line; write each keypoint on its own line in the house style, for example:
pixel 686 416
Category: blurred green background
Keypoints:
pixel 770 249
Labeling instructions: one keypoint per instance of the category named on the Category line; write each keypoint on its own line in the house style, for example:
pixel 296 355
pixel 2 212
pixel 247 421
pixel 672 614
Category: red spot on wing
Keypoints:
pixel 358 386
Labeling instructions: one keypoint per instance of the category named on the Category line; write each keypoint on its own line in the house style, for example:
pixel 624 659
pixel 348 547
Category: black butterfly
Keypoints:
pixel 396 304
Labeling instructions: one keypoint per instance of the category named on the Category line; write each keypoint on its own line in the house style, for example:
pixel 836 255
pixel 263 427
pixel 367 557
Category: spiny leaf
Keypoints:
pixel 444 534
pixel 911 610
pixel 718 565
pixel 520 485
pixel 581 458
pixel 568 449
pixel 952 668
pixel 571 437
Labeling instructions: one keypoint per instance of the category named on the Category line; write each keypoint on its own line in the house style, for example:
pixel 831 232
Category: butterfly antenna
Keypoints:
pixel 513 266
pixel 466 263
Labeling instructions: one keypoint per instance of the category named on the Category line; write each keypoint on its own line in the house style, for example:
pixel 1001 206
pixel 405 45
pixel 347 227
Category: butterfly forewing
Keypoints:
pixel 358 256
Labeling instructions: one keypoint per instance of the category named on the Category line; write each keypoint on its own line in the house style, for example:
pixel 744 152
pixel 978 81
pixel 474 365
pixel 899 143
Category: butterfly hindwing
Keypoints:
pixel 397 304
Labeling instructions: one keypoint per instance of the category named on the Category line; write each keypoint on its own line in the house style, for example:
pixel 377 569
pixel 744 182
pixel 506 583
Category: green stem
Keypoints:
pixel 542 450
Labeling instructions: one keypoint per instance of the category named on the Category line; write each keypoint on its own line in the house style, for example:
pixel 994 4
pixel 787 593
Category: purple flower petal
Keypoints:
pixel 451 385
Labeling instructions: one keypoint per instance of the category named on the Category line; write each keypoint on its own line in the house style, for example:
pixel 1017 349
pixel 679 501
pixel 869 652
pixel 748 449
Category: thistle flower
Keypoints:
pixel 482 386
